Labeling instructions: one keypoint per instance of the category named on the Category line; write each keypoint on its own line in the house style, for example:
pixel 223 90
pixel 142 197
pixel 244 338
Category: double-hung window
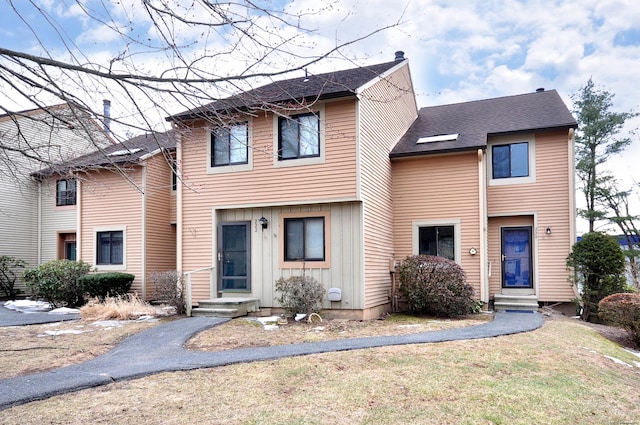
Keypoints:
pixel 304 239
pixel 299 136
pixel 110 248
pixel 437 240
pixel 510 160
pixel 65 192
pixel 230 145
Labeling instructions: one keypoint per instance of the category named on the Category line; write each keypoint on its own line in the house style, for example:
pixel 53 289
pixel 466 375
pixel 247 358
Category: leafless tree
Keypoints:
pixel 153 58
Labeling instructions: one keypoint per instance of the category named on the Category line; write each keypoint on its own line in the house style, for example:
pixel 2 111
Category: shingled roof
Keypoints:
pixel 475 121
pixel 130 151
pixel 306 88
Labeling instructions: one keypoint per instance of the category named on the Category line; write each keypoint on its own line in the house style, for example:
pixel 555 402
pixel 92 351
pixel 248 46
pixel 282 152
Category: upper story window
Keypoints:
pixel 230 146
pixel 510 160
pixel 65 192
pixel 299 136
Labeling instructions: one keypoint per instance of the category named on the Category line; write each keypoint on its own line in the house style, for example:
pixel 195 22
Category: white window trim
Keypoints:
pixel 302 161
pixel 110 267
pixel 223 169
pixel 457 235
pixel 505 140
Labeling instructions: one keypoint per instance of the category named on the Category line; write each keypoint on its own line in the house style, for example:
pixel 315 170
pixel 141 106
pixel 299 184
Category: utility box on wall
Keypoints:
pixel 334 294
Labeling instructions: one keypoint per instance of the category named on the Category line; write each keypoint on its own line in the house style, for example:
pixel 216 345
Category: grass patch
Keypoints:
pixel 555 375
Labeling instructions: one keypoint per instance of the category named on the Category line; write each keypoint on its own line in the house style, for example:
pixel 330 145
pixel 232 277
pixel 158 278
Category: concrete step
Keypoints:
pixel 504 302
pixel 226 307
pixel 216 312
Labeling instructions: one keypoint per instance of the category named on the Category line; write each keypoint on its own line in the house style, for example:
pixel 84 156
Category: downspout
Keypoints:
pixel 144 231
pixel 39 219
pixel 179 265
pixel 482 214
pixel 572 198
pixel 79 220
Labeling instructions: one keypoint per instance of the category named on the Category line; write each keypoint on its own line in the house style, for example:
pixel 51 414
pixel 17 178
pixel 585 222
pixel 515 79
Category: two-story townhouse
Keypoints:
pixel 125 206
pixel 291 178
pixel 38 219
pixel 489 184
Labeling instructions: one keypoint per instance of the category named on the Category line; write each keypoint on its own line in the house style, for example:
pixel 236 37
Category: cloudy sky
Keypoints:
pixel 459 50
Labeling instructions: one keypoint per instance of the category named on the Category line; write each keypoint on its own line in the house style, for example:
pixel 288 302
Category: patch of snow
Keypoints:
pixel 409 326
pixel 28 306
pixel 56 332
pixel 146 318
pixel 300 316
pixel 65 310
pixel 617 361
pixel 270 327
pixel 108 323
pixel 318 328
pixel 632 351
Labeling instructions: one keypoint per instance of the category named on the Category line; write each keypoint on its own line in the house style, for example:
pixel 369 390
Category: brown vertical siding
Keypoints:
pixel 439 188
pixel 108 200
pixel 548 199
pixel 386 110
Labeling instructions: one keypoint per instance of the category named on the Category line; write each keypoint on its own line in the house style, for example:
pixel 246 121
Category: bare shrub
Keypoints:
pixel 622 310
pixel 169 289
pixel 300 294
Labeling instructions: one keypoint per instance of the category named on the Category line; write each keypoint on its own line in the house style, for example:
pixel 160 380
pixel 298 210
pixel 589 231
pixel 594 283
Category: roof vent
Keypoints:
pixel 399 56
pixel 540 90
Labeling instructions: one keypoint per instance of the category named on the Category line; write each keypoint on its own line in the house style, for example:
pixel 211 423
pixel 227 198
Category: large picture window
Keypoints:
pixel 437 240
pixel 304 239
pixel 110 248
pixel 510 160
pixel 65 192
pixel 299 136
pixel 230 146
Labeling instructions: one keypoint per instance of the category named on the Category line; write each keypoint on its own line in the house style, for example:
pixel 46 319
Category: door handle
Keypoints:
pixel 504 257
pixel 220 256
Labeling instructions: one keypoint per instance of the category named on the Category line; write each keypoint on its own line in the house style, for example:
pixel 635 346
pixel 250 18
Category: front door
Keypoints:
pixel 233 256
pixel 516 257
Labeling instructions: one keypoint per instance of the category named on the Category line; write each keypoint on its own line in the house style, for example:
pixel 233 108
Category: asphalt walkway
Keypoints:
pixel 161 349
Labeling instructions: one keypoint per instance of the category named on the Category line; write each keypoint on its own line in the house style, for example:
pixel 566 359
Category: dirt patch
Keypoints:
pixel 246 333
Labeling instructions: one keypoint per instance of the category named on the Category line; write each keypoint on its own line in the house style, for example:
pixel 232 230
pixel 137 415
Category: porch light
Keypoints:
pixel 263 222
pixel 548 230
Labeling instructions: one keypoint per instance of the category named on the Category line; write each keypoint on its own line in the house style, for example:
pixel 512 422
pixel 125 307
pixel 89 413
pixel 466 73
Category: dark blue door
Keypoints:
pixel 516 257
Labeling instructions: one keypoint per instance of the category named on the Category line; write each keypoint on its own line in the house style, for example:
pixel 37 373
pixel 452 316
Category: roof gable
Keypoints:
pixel 474 122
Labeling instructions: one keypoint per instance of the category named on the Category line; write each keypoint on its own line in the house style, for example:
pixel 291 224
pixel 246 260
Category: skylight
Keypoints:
pixel 439 138
pixel 123 152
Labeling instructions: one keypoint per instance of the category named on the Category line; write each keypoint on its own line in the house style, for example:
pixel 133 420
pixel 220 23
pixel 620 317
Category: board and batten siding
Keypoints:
pixel 439 188
pixel 549 200
pixel 160 234
pixel 386 110
pixel 111 202
pixel 54 220
pixel 344 253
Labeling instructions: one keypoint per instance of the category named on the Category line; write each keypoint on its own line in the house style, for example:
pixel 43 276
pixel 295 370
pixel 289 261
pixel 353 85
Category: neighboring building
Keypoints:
pixel 125 207
pixel 341 177
pixel 37 222
pixel 489 184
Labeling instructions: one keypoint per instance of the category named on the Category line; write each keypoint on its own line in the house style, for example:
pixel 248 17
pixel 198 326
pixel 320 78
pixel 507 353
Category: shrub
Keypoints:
pixel 300 294
pixel 598 264
pixel 9 274
pixel 169 289
pixel 57 282
pixel 622 310
pixel 103 285
pixel 122 307
pixel 435 285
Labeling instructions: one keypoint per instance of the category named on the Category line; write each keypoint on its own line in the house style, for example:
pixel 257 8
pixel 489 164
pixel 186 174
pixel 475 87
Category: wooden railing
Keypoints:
pixel 187 285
